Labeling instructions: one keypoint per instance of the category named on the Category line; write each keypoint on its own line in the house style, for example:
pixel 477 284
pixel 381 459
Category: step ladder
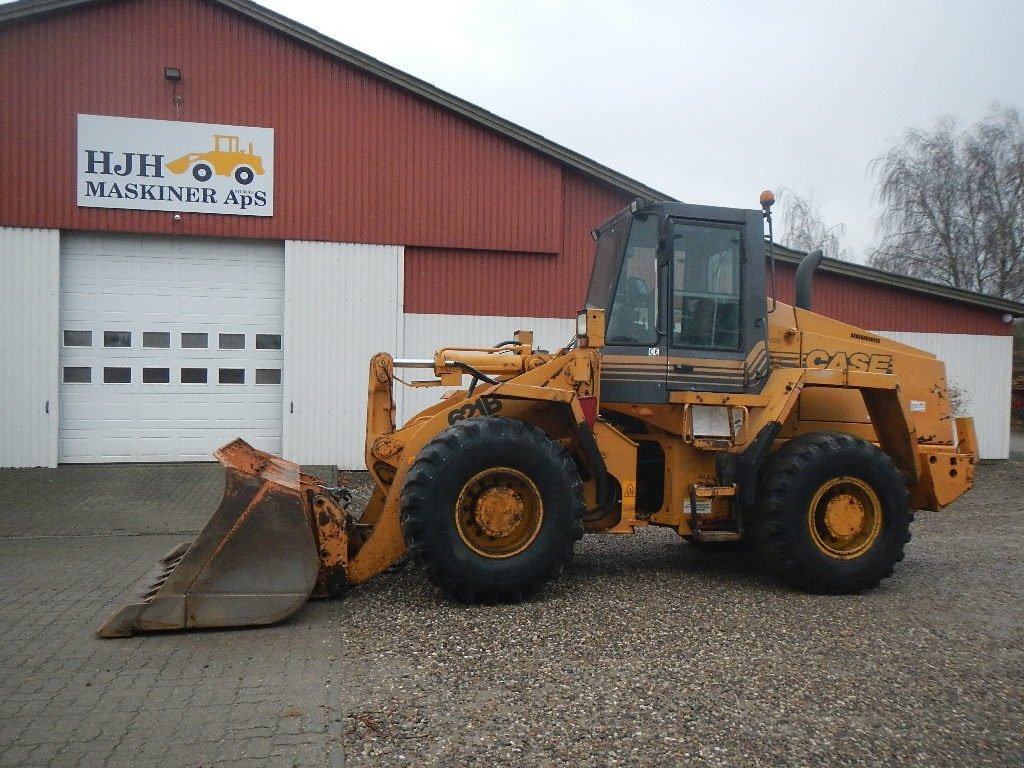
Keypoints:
pixel 709 493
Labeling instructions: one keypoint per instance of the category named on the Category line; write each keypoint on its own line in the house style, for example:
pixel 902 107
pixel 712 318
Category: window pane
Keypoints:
pixel 156 375
pixel 706 286
pixel 194 341
pixel 632 317
pixel 156 339
pixel 268 375
pixel 117 375
pixel 117 338
pixel 268 341
pixel 232 341
pixel 193 375
pixel 231 376
pixel 77 375
pixel 77 338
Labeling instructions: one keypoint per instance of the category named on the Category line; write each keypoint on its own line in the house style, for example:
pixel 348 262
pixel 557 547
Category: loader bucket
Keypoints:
pixel 181 164
pixel 254 563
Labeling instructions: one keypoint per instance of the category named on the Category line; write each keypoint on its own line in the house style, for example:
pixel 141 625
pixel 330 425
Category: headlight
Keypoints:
pixel 581 324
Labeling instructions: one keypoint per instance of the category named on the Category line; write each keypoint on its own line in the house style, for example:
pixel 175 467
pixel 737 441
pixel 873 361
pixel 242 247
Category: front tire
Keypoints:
pixel 492 509
pixel 202 172
pixel 832 514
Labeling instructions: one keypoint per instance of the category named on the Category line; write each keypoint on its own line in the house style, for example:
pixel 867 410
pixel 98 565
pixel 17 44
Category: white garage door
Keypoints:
pixel 170 347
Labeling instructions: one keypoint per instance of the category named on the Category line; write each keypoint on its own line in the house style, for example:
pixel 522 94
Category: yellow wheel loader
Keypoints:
pixel 227 158
pixel 685 400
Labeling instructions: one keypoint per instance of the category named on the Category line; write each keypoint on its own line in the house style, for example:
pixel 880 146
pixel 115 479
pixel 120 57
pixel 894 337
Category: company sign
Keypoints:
pixel 166 165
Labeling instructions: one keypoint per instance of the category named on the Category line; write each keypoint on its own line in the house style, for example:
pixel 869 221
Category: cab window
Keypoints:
pixel 706 286
pixel 632 320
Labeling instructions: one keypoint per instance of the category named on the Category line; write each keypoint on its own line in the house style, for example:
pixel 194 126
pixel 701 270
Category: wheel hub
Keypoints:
pixel 844 516
pixel 498 511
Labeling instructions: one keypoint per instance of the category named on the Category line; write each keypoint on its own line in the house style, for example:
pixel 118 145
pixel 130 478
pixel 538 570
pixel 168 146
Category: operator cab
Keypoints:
pixel 683 287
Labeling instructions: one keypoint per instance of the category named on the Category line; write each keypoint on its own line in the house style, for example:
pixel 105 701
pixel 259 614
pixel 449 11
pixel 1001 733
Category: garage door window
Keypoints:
pixel 194 341
pixel 156 375
pixel 77 338
pixel 268 341
pixel 156 340
pixel 193 375
pixel 231 376
pixel 231 341
pixel 117 338
pixel 268 375
pixel 117 375
pixel 77 374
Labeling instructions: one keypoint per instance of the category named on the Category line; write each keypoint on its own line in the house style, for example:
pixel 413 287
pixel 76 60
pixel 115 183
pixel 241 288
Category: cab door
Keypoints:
pixel 717 324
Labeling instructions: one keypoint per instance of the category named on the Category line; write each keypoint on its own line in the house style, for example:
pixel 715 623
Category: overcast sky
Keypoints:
pixel 708 101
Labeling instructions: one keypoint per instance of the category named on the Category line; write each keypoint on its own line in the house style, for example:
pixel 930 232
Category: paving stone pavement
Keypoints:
pixel 73 540
pixel 647 652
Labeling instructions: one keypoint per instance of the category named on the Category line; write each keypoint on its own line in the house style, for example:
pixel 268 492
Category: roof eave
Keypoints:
pixel 890 279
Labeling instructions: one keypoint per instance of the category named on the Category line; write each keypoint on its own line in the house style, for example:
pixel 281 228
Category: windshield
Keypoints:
pixel 606 262
pixel 632 317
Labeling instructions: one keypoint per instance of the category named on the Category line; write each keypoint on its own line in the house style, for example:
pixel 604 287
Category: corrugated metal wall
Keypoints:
pixel 980 367
pixel 29 343
pixel 872 305
pixel 467 282
pixel 357 159
pixel 342 305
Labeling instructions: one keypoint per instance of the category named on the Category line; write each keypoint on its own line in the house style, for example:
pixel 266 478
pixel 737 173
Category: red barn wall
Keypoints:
pixel 885 308
pixel 490 226
pixel 357 159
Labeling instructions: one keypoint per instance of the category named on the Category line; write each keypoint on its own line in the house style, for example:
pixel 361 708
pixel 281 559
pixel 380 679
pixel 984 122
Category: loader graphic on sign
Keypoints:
pixel 225 159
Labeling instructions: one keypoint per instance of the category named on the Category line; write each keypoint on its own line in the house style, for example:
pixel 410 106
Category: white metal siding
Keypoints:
pixel 29 307
pixel 424 334
pixel 343 304
pixel 200 320
pixel 980 366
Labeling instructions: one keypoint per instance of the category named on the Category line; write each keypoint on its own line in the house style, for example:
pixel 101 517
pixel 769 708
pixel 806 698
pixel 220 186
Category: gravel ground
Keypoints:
pixel 652 652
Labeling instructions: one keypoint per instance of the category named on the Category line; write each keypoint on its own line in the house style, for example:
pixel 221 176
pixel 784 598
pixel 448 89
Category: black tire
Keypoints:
pixel 244 175
pixel 202 172
pixel 492 509
pixel 832 514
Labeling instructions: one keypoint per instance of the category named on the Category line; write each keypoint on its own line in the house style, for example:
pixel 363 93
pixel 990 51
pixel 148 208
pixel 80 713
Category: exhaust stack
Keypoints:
pixel 804 275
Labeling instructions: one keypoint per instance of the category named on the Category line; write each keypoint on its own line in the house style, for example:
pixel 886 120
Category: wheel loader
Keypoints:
pixel 686 400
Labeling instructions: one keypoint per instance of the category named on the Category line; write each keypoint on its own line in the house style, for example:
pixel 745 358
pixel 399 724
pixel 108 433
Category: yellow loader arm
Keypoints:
pixel 280 536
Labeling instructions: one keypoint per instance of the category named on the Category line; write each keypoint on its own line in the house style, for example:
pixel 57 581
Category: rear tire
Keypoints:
pixel 492 509
pixel 244 175
pixel 832 514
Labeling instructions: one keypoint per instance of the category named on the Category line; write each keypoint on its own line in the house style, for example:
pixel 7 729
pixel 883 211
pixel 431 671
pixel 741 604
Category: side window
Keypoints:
pixel 632 319
pixel 706 286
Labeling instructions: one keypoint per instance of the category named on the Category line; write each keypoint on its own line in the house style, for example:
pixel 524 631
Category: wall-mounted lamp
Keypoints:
pixel 173 76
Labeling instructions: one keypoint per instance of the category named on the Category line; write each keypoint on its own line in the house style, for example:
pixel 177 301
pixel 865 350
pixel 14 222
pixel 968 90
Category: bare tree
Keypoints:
pixel 804 229
pixel 954 205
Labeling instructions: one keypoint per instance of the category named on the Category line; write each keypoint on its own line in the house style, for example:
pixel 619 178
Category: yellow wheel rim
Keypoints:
pixel 845 518
pixel 499 512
